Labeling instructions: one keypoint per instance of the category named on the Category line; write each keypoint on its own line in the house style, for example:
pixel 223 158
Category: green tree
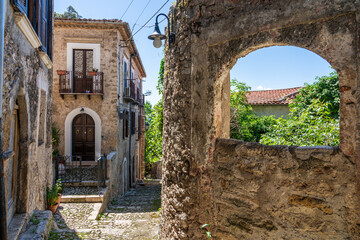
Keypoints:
pixel 244 123
pixel 313 118
pixel 310 126
pixel 154 117
pixel 69 13
pixel 325 89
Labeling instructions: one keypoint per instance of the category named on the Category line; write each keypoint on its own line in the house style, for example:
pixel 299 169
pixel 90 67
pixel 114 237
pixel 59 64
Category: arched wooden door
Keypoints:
pixel 83 137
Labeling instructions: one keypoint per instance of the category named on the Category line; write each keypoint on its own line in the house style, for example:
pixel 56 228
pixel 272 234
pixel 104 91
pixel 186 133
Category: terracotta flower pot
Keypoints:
pixel 53 208
pixel 93 73
pixel 61 72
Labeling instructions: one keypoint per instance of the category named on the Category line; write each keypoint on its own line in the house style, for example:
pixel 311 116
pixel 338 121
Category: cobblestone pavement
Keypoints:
pixel 133 216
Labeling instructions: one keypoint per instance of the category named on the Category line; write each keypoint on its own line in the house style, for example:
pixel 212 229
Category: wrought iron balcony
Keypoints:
pixel 129 90
pixel 78 83
pixel 140 98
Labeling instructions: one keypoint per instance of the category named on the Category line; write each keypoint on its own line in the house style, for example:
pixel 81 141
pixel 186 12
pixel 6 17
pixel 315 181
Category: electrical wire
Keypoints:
pixel 150 26
pixel 148 21
pixel 126 9
pixel 140 16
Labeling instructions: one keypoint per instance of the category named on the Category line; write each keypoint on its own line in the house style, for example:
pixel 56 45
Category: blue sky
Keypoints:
pixel 267 68
pixel 279 67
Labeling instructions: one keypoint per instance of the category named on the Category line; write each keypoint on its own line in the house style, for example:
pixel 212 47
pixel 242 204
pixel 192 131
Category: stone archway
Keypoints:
pixel 211 36
pixel 68 129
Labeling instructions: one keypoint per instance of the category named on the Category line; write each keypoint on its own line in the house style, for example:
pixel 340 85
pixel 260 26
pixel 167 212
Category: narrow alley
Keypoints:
pixel 135 215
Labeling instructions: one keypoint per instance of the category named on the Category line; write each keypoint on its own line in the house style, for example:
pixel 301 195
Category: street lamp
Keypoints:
pixel 157 36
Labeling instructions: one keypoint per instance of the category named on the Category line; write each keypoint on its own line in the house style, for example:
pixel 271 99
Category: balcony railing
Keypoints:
pixel 79 83
pixel 129 91
pixel 140 98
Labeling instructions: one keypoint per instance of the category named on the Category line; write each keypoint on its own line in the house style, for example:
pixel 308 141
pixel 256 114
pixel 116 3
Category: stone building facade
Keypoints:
pixel 26 109
pixel 246 190
pixel 96 89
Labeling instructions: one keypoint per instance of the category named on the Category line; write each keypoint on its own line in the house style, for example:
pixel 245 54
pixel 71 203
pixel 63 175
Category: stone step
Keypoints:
pixel 39 226
pixel 82 199
pixel 16 225
pixel 84 184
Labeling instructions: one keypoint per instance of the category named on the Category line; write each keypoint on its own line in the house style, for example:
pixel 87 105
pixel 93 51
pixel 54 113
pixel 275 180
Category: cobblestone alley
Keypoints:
pixel 133 216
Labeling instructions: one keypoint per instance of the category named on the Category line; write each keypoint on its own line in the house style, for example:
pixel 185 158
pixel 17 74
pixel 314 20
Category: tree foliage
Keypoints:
pixel 325 89
pixel 313 118
pixel 244 123
pixel 69 13
pixel 154 117
pixel 310 126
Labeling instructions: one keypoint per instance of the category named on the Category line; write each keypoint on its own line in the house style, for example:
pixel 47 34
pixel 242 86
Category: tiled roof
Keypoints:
pixel 88 20
pixel 272 97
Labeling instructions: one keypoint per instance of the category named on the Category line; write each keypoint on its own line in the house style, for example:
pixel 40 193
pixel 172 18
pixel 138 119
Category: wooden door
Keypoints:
pixel 13 166
pixel 82 65
pixel 83 137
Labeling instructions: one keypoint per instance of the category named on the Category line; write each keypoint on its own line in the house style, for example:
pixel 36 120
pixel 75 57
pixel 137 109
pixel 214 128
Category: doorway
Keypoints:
pixel 83 137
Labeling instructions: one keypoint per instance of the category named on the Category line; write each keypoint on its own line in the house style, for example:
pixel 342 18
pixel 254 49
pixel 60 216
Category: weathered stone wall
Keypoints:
pixel 210 37
pixel 25 78
pixel 280 192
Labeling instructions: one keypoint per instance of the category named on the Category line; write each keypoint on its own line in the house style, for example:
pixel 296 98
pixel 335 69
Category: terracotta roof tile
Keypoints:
pixel 88 20
pixel 272 97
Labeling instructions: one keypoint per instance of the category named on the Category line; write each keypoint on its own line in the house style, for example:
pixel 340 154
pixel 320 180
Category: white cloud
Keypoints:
pixel 262 88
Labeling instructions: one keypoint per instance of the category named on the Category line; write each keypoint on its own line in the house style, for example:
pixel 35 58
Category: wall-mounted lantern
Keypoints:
pixel 157 36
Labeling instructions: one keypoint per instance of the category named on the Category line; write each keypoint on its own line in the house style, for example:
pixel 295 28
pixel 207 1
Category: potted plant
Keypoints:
pixel 61 72
pixel 52 198
pixel 94 72
pixel 60 189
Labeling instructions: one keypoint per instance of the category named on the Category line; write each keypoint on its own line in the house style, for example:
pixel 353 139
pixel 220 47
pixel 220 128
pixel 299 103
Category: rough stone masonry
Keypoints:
pixel 246 190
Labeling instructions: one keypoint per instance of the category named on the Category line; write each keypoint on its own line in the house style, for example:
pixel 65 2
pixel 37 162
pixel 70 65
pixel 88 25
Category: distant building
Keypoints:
pixel 272 102
pixel 98 103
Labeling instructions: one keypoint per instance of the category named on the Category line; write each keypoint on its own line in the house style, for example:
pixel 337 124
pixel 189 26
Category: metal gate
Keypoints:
pixel 71 169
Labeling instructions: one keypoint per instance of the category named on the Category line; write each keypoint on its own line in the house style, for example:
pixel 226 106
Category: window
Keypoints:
pixel 125 73
pixel 82 65
pixel 133 122
pixel 139 126
pixel 126 125
pixel 39 13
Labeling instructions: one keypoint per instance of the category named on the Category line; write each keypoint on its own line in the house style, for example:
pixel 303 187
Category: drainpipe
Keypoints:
pixel 3 208
pixel 130 133
pixel 130 124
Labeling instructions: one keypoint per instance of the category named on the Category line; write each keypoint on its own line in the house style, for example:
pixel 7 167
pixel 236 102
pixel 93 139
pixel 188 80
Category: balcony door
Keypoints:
pixel 82 65
pixel 83 137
